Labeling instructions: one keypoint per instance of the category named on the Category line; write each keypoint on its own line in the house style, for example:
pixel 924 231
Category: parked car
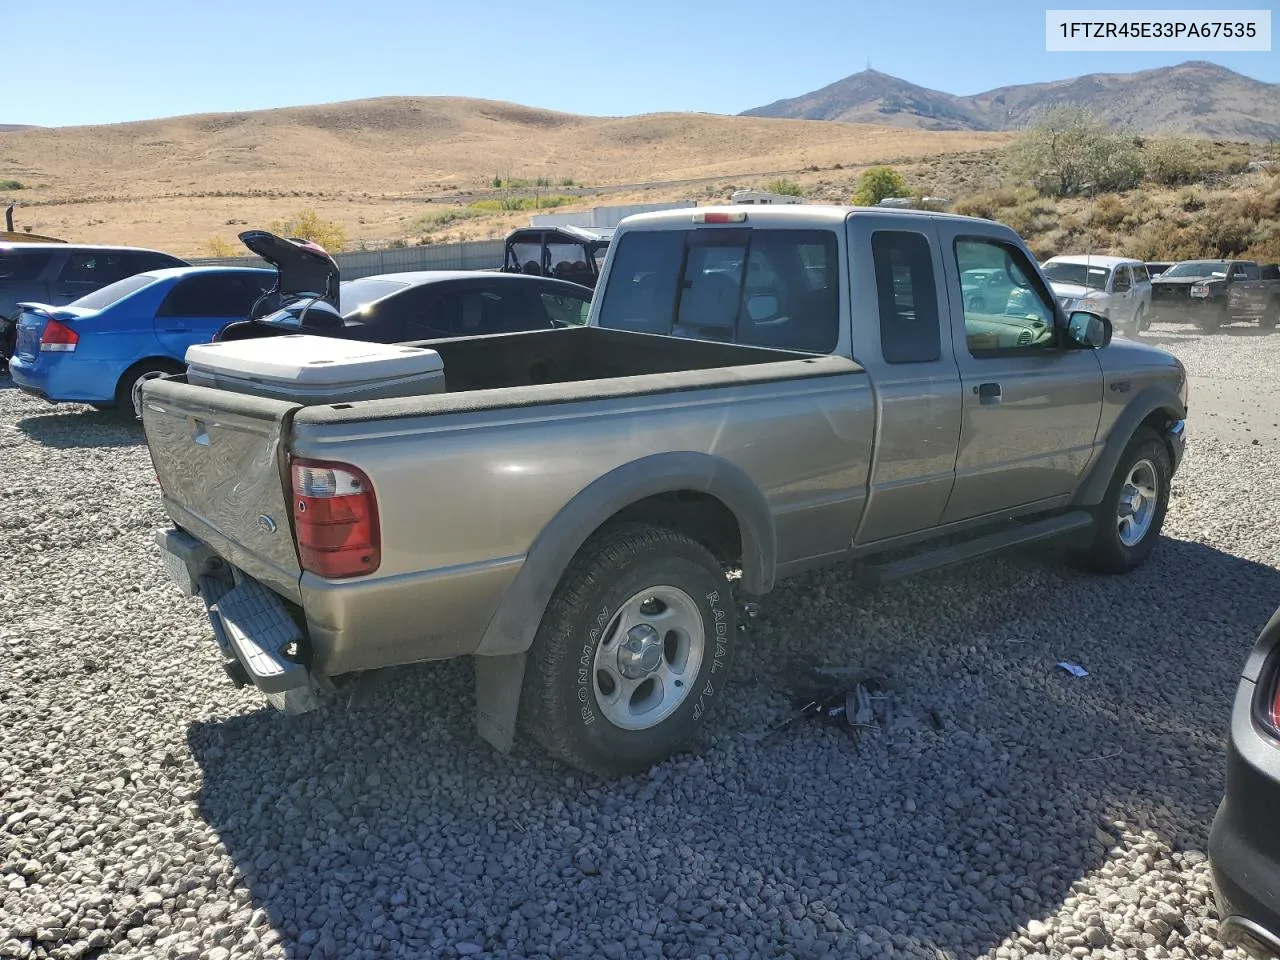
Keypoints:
pixel 1156 268
pixel 1244 845
pixel 58 273
pixel 613 471
pixel 427 304
pixel 97 348
pixel 1115 287
pixel 1210 293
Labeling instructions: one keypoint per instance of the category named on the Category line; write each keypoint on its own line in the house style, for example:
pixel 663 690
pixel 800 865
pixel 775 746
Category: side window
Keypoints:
pixel 571 311
pixel 23 265
pixel 142 262
pixel 1016 313
pixel 83 268
pixel 1140 274
pixel 1248 271
pixel 1271 271
pixel 470 313
pixel 211 295
pixel 907 295
pixel 1122 283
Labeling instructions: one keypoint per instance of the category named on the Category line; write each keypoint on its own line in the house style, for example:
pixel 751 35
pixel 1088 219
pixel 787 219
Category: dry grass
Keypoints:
pixel 369 164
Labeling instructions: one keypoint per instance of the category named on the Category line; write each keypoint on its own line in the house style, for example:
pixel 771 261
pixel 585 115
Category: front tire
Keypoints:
pixel 634 649
pixel 1132 512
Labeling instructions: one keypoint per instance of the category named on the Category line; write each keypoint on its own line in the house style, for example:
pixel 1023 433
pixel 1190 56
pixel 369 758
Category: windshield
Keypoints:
pixel 355 294
pixel 1080 274
pixel 113 292
pixel 1194 269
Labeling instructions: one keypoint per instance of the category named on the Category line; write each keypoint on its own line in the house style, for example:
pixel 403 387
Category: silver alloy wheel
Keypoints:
pixel 1139 496
pixel 648 658
pixel 136 393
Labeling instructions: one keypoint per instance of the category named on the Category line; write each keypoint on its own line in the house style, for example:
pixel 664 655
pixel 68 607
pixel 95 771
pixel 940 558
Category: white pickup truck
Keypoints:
pixel 762 391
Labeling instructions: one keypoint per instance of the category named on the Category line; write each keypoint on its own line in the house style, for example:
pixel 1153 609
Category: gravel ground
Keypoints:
pixel 1006 810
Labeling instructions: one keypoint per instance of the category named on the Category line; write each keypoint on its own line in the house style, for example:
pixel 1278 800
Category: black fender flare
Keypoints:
pixel 1157 398
pixel 512 627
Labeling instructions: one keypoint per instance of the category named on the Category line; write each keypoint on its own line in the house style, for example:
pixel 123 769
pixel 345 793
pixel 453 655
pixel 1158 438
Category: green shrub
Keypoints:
pixel 1190 200
pixel 12 185
pixel 307 225
pixel 879 183
pixel 785 188
pixel 1107 211
pixel 1067 152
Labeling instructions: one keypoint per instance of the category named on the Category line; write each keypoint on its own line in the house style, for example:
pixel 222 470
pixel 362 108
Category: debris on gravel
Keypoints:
pixel 995 807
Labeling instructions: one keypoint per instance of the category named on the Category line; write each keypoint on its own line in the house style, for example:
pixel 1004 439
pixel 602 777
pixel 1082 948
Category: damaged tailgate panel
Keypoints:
pixel 221 462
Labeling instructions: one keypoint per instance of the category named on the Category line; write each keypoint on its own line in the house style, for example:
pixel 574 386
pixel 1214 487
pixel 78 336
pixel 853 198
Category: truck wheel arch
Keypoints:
pixel 1155 406
pixel 512 627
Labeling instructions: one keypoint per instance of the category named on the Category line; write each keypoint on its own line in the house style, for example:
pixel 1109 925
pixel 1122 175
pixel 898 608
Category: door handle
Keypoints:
pixel 988 393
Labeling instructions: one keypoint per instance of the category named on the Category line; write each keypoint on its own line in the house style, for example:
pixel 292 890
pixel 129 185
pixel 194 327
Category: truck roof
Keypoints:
pixel 803 213
pixel 1083 259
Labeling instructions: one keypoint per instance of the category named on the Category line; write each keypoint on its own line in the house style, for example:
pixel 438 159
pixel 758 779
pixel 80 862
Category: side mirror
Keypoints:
pixel 1089 329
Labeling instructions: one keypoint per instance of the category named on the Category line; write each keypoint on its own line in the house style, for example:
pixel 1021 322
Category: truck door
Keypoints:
pixel 901 333
pixel 1245 293
pixel 1031 400
pixel 1122 296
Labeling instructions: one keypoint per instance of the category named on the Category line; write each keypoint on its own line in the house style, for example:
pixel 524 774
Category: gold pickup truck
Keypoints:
pixel 583 511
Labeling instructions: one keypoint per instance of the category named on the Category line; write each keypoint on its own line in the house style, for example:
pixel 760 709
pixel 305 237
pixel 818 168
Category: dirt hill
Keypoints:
pixel 370 164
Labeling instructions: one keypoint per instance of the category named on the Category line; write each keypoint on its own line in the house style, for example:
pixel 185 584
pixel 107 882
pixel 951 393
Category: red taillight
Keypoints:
pixel 58 338
pixel 737 216
pixel 335 519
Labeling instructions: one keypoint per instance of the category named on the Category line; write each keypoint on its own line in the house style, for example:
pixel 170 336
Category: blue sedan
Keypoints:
pixel 96 349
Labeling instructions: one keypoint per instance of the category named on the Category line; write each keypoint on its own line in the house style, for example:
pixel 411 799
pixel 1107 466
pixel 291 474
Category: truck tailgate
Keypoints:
pixel 220 459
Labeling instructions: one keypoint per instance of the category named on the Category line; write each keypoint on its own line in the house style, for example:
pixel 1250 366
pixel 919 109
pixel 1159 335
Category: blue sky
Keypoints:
pixel 85 61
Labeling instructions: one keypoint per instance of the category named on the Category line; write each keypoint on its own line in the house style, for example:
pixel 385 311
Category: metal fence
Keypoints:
pixel 476 255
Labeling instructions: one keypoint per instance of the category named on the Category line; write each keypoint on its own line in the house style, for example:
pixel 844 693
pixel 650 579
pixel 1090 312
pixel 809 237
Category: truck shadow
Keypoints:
pixel 404 835
pixel 83 427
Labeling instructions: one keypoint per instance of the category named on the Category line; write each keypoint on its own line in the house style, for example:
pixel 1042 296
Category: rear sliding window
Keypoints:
pixel 23 265
pixel 769 288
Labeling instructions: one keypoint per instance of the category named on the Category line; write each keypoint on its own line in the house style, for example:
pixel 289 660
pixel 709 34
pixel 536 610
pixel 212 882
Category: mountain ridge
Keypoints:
pixel 1195 98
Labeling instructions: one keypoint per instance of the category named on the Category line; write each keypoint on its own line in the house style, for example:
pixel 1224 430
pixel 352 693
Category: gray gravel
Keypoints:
pixel 1003 809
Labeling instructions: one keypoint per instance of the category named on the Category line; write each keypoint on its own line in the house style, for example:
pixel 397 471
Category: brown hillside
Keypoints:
pixel 369 164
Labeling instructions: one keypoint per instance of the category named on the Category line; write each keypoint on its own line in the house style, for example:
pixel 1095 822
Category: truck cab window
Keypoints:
pixel 769 288
pixel 907 297
pixel 1015 312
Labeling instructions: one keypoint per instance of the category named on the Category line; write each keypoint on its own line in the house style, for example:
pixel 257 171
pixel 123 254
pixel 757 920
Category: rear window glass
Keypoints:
pixel 20 265
pixel 354 294
pixel 775 288
pixel 114 292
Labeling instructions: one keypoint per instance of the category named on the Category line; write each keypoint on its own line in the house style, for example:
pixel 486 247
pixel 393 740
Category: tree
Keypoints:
pixel 307 225
pixel 1067 151
pixel 877 184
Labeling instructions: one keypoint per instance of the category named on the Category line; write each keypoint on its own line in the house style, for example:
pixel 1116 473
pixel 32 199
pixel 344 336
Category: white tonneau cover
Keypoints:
pixel 315 369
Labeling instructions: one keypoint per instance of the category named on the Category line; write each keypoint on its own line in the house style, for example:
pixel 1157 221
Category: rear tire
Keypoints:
pixel 1132 511
pixel 145 370
pixel 634 649
pixel 1209 323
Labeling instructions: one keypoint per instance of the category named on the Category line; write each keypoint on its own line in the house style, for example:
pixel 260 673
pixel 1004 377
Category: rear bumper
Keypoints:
pixel 362 623
pixel 1244 852
pixel 260 641
pixel 60 378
